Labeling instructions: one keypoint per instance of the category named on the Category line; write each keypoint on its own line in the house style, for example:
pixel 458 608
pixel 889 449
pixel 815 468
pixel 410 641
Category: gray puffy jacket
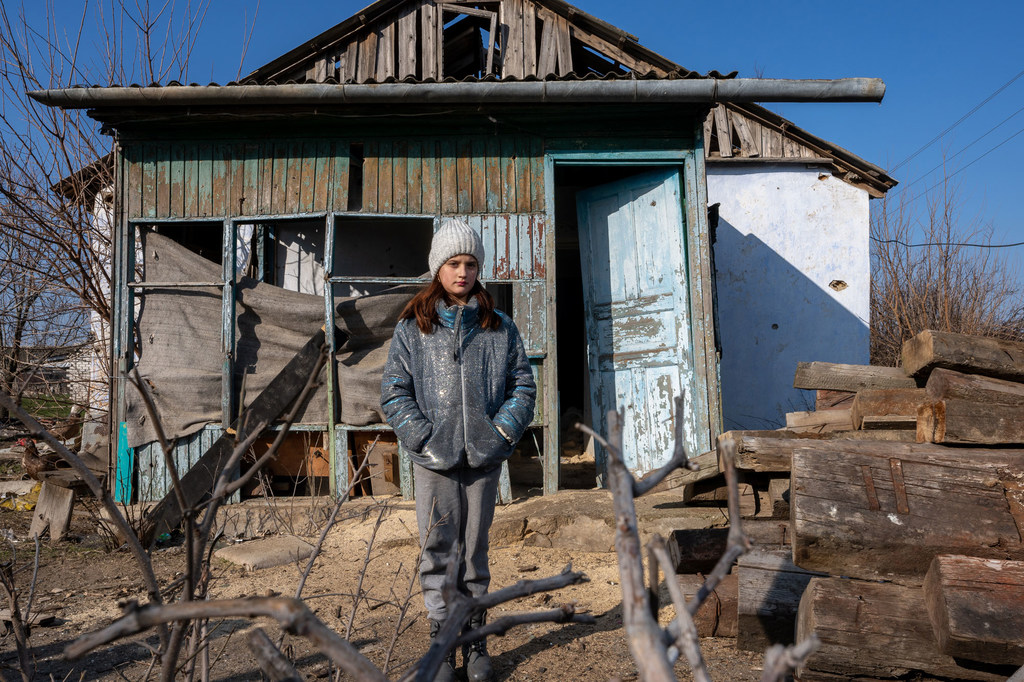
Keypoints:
pixel 451 394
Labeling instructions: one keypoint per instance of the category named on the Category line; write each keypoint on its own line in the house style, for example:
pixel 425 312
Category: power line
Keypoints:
pixel 963 168
pixel 959 121
pixel 906 186
pixel 947 244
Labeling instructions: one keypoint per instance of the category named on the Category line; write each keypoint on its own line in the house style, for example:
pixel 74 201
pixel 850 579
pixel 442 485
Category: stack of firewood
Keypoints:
pixel 903 550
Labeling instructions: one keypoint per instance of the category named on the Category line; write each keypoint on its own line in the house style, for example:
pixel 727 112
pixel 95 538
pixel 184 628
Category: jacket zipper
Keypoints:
pixel 462 377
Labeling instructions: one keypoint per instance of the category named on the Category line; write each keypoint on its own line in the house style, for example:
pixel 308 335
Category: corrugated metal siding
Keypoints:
pixel 154 478
pixel 188 179
pixel 454 175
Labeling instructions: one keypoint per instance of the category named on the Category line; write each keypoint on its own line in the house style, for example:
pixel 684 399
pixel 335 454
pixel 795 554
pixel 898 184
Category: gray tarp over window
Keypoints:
pixel 179 335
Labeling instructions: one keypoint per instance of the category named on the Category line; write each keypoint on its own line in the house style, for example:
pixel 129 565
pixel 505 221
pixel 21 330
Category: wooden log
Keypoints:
pixel 830 400
pixel 838 377
pixel 890 423
pixel 826 420
pixel 699 549
pixel 707 467
pixel 884 510
pixel 972 423
pixel 944 384
pixel 879 402
pixel 716 617
pixel 770 587
pixel 976 608
pixel 52 512
pixel 873 629
pixel 713 492
pixel 771 451
pixel 963 353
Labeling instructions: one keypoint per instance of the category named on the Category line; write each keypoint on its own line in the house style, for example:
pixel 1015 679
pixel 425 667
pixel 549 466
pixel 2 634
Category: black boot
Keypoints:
pixel 446 673
pixel 474 654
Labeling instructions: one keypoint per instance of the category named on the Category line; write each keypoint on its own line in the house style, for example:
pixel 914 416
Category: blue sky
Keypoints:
pixel 938 58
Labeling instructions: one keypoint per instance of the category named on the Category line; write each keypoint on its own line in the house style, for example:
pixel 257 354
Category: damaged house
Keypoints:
pixel 251 215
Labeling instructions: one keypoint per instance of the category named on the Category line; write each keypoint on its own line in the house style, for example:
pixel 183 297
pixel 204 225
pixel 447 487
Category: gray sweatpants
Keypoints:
pixel 454 505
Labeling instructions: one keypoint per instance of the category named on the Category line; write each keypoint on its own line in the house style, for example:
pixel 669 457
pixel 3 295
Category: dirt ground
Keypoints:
pixel 81 582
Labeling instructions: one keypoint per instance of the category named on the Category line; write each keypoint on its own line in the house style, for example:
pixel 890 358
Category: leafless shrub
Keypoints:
pixel 946 283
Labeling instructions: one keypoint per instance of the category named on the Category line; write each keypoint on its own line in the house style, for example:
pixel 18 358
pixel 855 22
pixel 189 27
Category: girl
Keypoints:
pixel 459 393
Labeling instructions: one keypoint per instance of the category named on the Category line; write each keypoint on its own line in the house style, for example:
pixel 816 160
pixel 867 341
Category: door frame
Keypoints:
pixel 690 163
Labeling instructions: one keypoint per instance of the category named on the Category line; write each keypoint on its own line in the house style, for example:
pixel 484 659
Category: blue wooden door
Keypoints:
pixel 633 252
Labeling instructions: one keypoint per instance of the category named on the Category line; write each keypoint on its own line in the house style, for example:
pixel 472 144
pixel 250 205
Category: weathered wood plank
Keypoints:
pixel 770 587
pixel 431 177
pixel 878 510
pixel 873 629
pixel 838 377
pixel 385 52
pixel 749 143
pixel 339 164
pixel 414 174
pixel 976 608
pixel 478 176
pixel 512 52
pixel 826 420
pixel 400 173
pixel 464 175
pixel 407 52
pixel 536 154
pixel 699 549
pixel 946 383
pixel 385 176
pixel 964 353
pixel 509 201
pixel 371 173
pixel 889 422
pixel 547 59
pixel 367 67
pixel 716 617
pixel 52 512
pixel 529 39
pixel 449 180
pixel 428 40
pixel 968 422
pixel 771 451
pixel 880 402
pixel 492 174
pixel 723 130
pixel 564 46
pixel 716 492
pixel 707 467
pixel 524 169
pixel 830 400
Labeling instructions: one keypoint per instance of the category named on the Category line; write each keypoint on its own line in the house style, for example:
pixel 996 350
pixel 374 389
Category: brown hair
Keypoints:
pixel 423 306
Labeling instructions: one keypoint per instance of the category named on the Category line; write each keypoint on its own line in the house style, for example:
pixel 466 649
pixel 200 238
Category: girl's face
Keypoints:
pixel 458 275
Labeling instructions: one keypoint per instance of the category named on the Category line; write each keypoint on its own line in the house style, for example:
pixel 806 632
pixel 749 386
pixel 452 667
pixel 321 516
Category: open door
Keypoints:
pixel 635 282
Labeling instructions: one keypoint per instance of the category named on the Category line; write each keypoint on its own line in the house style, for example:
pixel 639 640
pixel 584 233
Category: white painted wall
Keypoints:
pixel 785 233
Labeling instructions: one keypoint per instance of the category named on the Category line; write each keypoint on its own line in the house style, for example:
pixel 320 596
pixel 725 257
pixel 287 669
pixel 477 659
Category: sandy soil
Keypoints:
pixel 82 584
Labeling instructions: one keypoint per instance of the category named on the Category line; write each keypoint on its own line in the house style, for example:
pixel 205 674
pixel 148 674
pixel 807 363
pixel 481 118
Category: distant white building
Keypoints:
pixel 792 258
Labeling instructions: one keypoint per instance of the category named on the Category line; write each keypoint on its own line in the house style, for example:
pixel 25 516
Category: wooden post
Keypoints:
pixel 965 353
pixel 873 630
pixel 884 510
pixel 837 377
pixel 976 608
pixel 53 512
pixel 969 422
pixel 901 402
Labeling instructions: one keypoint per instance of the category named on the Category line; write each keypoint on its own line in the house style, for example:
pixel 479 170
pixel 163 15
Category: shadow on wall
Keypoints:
pixel 773 316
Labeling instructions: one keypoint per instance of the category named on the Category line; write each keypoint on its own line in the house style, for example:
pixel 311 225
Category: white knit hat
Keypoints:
pixel 454 236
